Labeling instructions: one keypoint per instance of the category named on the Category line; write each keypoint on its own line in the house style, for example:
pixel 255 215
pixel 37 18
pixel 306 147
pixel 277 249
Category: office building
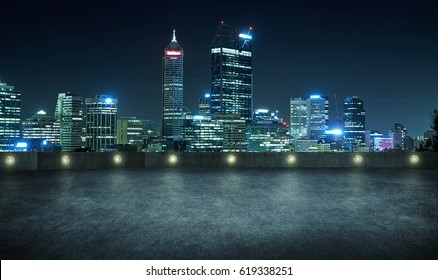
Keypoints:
pixel 203 134
pixel 231 72
pixel 172 90
pixel 69 113
pixel 10 114
pixel 267 133
pixel 204 106
pixel 317 116
pixel 101 122
pixel 130 132
pixel 354 121
pixel 298 118
pixel 43 127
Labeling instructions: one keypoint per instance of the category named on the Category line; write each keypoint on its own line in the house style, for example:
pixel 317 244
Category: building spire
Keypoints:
pixel 174 36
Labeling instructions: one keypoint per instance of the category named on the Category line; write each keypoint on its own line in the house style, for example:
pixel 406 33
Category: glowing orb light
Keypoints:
pixel 65 160
pixel 231 159
pixel 173 159
pixel 117 159
pixel 291 159
pixel 414 159
pixel 10 160
pixel 358 159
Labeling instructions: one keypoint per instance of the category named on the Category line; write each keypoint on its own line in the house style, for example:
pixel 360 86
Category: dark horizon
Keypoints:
pixel 384 53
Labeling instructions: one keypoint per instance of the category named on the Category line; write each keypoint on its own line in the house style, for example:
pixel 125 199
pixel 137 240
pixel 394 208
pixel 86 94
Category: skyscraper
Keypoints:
pixel 317 116
pixel 10 113
pixel 354 120
pixel 231 72
pixel 172 89
pixel 298 118
pixel 101 122
pixel 69 113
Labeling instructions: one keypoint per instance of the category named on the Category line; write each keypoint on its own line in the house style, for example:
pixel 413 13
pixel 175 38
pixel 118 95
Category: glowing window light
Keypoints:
pixel 245 36
pixel 414 159
pixel 231 159
pixel 117 159
pixel 207 95
pixel 315 96
pixel 291 159
pixel 10 160
pixel 173 159
pixel 65 160
pixel 108 101
pixel 358 159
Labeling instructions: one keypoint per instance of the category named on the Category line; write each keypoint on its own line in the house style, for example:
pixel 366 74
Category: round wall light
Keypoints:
pixel 117 159
pixel 358 159
pixel 65 160
pixel 231 159
pixel 414 159
pixel 10 160
pixel 173 159
pixel 291 159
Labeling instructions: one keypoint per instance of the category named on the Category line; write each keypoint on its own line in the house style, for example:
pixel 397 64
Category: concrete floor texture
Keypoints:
pixel 220 214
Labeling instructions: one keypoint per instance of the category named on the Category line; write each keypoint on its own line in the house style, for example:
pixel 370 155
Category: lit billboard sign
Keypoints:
pixel 173 53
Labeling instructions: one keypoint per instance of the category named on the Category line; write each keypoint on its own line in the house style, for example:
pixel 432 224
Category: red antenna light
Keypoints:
pixel 222 22
pixel 250 28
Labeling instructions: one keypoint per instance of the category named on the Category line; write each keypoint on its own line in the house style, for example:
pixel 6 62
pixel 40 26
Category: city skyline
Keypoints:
pixel 385 54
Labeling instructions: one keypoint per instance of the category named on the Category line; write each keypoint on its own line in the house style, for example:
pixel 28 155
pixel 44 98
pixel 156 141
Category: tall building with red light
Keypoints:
pixel 231 72
pixel 172 90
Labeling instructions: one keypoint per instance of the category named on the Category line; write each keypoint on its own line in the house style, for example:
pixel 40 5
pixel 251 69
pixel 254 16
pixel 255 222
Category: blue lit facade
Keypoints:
pixel 172 90
pixel 231 72
pixel 10 114
pixel 101 122
pixel 354 121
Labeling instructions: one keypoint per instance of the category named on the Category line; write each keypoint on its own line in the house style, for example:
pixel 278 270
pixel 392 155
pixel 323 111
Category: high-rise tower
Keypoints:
pixel 10 114
pixel 172 90
pixel 298 117
pixel 69 113
pixel 317 116
pixel 101 122
pixel 354 120
pixel 231 72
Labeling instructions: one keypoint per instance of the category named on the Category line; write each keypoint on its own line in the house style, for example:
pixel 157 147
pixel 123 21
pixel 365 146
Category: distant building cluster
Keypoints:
pixel 225 122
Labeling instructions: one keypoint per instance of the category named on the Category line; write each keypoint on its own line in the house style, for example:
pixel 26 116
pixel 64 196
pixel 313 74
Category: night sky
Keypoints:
pixel 385 53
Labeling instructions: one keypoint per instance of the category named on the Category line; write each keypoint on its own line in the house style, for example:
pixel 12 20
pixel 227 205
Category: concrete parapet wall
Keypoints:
pixel 62 161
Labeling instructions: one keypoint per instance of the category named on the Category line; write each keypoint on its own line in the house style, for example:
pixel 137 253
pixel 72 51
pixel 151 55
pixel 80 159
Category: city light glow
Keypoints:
pixel 231 159
pixel 207 95
pixel 21 145
pixel 245 36
pixel 334 131
pixel 414 159
pixel 291 159
pixel 108 101
pixel 315 96
pixel 173 159
pixel 10 160
pixel 117 159
pixel 65 160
